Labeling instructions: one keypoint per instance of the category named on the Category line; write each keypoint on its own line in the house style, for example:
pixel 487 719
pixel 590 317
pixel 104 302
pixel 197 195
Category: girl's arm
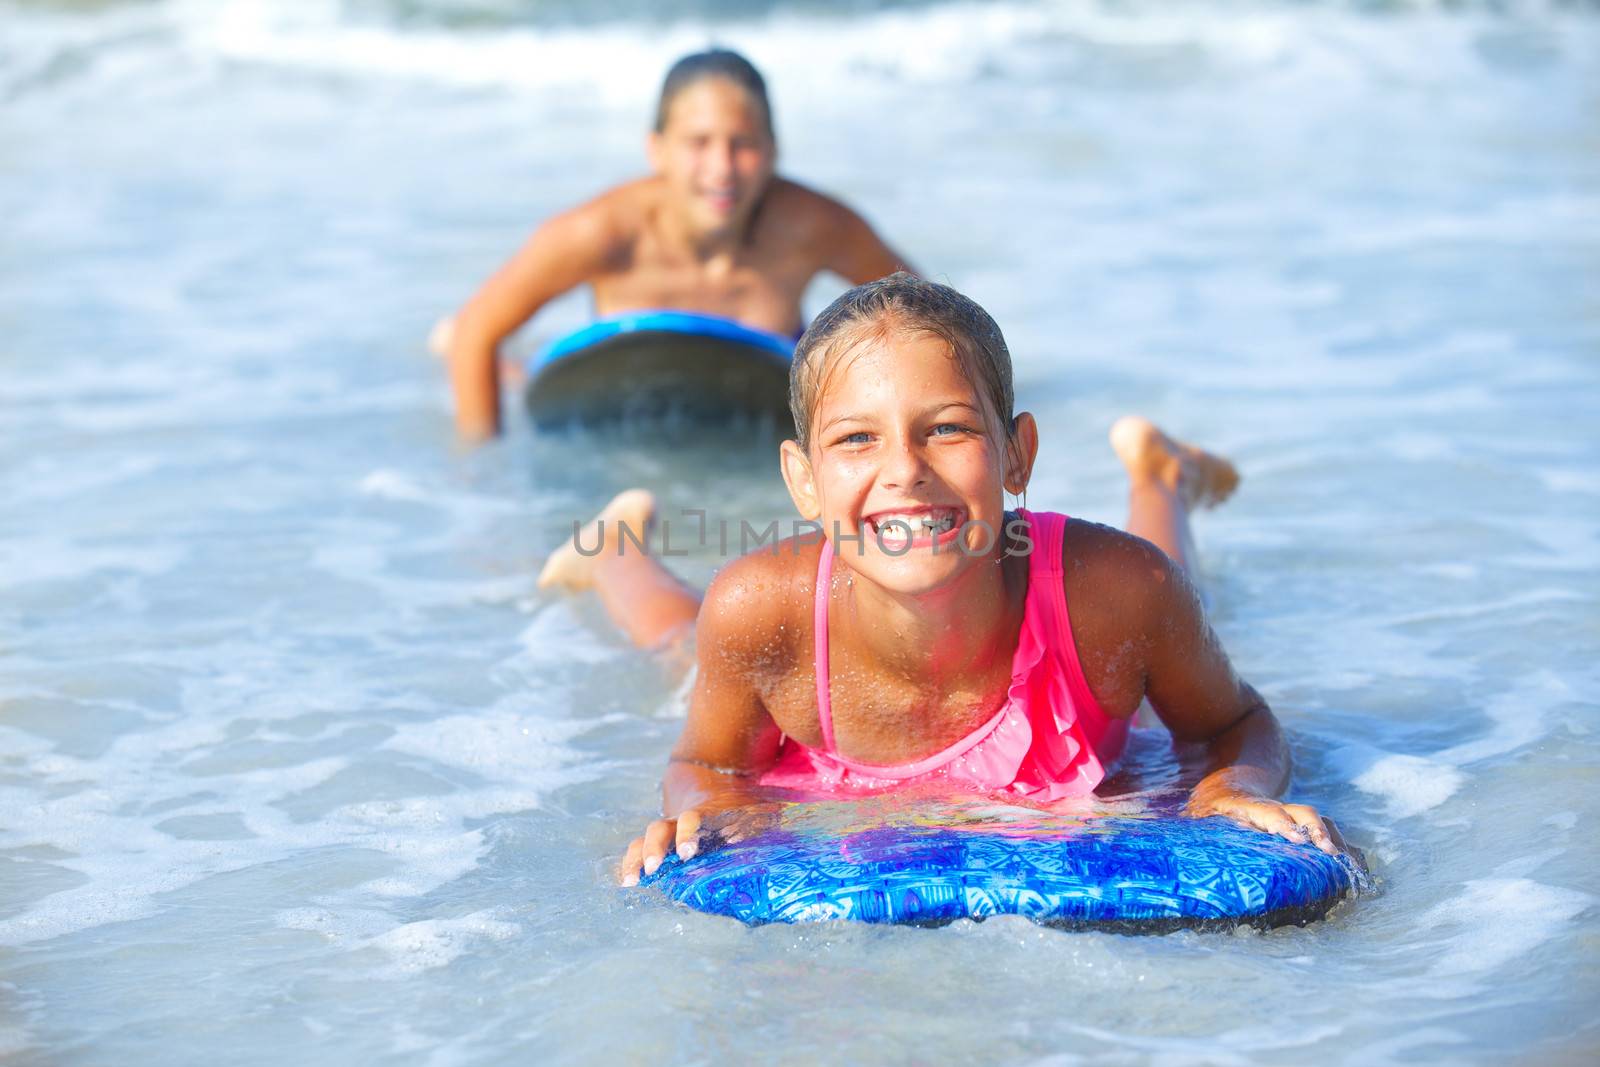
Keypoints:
pixel 1193 688
pixel 562 254
pixel 729 738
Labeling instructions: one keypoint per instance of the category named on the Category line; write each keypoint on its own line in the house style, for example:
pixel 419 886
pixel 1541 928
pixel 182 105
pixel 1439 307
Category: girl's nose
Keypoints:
pixel 904 467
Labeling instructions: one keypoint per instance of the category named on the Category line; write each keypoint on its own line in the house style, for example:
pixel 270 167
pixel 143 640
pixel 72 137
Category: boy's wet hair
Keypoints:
pixel 902 301
pixel 713 63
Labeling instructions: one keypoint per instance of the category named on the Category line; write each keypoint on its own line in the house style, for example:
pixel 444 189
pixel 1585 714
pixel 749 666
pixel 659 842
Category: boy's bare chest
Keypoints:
pixel 759 289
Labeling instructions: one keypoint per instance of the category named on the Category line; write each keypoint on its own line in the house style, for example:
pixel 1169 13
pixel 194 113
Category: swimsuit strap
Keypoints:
pixel 1047 530
pixel 819 626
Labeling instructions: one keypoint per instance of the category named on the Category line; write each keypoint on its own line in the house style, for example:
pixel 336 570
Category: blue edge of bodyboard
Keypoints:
pixel 681 322
pixel 1174 871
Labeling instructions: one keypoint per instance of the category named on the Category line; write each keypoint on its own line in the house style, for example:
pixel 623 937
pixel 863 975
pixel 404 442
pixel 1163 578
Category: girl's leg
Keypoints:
pixel 642 597
pixel 1166 480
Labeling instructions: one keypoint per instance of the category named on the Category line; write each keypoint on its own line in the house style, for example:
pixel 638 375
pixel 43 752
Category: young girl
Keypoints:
pixel 713 230
pixel 932 637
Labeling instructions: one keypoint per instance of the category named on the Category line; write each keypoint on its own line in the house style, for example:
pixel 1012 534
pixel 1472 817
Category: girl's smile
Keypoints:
pixel 905 529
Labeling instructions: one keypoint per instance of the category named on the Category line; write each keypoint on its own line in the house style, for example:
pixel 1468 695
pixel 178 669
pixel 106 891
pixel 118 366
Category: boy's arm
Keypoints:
pixel 729 738
pixel 851 248
pixel 562 254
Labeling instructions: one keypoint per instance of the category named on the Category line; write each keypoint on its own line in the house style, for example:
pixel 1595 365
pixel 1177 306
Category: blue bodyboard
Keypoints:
pixel 654 365
pixel 1146 871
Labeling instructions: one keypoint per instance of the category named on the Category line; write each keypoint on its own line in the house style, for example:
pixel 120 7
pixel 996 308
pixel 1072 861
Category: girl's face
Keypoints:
pixel 906 458
pixel 715 155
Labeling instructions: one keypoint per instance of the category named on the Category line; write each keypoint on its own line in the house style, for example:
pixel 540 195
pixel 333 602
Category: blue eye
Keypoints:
pixel 860 437
pixel 945 429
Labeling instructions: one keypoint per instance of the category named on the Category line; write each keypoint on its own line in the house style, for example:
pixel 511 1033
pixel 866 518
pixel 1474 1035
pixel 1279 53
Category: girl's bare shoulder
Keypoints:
pixel 1094 553
pixel 758 608
pixel 1118 587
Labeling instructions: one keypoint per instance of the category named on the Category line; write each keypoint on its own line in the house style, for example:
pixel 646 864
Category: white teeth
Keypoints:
pixel 898 526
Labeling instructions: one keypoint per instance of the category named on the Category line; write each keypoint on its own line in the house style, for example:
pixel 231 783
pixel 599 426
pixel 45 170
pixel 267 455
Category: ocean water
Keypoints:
pixel 296 766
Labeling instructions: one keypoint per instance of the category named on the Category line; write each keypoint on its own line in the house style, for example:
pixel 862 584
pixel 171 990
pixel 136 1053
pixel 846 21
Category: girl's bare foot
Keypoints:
pixel 571 569
pixel 439 338
pixel 1200 478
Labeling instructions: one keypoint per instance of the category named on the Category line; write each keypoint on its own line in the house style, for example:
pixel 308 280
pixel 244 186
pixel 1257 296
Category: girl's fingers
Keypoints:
pixel 1275 820
pixel 656 840
pixel 1299 823
pixel 1268 816
pixel 628 869
pixel 1312 823
pixel 688 837
pixel 645 853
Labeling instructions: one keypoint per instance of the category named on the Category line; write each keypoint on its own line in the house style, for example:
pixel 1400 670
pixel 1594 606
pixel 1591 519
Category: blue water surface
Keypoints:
pixel 297 766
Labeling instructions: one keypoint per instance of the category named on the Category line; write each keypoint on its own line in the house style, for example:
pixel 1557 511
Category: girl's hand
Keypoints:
pixel 686 833
pixel 1293 822
pixel 645 853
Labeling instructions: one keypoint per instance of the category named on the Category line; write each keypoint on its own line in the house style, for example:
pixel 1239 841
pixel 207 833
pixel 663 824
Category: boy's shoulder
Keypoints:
pixel 799 212
pixel 802 197
pixel 600 231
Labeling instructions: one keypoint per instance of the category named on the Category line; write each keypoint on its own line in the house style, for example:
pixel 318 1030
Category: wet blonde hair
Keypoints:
pixel 901 302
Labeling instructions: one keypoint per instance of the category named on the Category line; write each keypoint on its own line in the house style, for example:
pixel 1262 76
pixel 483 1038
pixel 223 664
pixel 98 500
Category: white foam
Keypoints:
pixel 432 943
pixel 388 484
pixel 1497 606
pixel 94 811
pixel 51 478
pixel 953 42
pixel 1411 785
pixel 1411 1046
pixel 1239 1045
pixel 500 744
pixel 347 926
pixel 371 565
pixel 392 485
pixel 556 635
pixel 1417 447
pixel 1495 920
pixel 25 561
pixel 429 861
pixel 1408 785
pixel 675 705
pixel 1518 719
pixel 1454 570
pixel 1569 480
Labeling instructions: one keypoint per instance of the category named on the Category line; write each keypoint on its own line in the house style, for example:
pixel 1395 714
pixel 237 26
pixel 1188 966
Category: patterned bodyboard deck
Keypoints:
pixel 1134 874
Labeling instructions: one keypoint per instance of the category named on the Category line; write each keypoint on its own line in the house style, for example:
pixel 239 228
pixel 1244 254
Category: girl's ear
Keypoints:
pixel 652 151
pixel 1021 450
pixel 801 480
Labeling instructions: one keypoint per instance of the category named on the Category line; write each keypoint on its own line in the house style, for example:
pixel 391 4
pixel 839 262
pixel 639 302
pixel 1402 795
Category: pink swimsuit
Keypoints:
pixel 1050 739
